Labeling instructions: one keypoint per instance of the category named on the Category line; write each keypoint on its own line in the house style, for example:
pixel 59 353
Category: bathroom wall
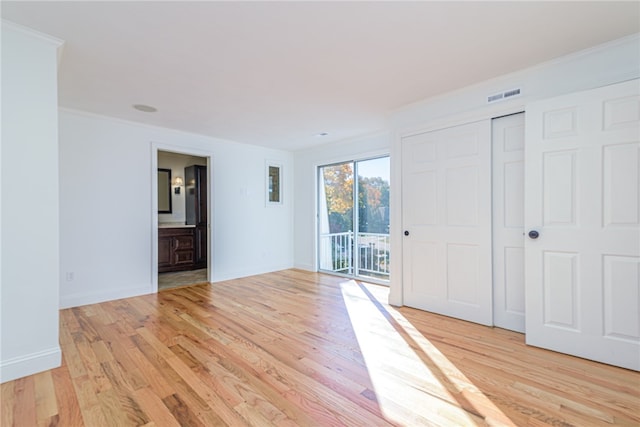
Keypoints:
pixel 176 162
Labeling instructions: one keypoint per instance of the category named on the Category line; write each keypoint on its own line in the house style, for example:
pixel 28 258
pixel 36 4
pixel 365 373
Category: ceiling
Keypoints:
pixel 277 74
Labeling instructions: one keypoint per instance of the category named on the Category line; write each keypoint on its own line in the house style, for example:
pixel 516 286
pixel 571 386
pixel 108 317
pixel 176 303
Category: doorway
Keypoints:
pixel 182 242
pixel 353 219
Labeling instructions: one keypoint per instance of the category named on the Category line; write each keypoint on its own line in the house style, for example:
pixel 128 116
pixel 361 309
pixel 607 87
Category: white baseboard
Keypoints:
pixel 30 364
pixel 78 299
pixel 395 298
pixel 306 267
pixel 222 276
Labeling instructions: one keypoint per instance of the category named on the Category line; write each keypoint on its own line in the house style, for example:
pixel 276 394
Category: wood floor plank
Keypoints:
pixel 305 349
pixel 46 405
pixel 90 408
pixel 71 356
pixel 7 403
pixel 155 380
pixel 181 412
pixel 24 411
pixel 120 407
pixel 187 401
pixel 66 398
pixel 154 407
pixel 213 401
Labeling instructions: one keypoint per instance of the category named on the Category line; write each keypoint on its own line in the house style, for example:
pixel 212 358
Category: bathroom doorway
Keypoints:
pixel 182 243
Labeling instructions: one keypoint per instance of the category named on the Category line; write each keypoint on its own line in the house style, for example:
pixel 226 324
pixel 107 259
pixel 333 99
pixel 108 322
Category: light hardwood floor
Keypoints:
pixel 181 278
pixel 299 348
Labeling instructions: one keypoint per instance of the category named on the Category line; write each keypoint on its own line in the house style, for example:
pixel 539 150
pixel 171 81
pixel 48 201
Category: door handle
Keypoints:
pixel 533 234
pixel 406 232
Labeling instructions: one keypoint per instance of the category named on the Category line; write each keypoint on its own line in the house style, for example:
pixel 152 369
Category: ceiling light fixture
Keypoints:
pixel 145 108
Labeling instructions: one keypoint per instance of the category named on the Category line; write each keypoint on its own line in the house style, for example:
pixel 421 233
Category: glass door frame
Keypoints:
pixel 355 253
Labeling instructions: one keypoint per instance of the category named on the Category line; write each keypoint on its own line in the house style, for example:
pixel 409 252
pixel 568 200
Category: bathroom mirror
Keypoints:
pixel 164 190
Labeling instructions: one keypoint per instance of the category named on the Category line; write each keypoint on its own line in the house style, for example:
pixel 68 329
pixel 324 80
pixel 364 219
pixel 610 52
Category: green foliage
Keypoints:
pixel 373 201
pixel 338 181
pixel 373 205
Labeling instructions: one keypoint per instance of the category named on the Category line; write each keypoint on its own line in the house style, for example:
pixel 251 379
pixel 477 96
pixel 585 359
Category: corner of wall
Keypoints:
pixel 30 364
pixel 30 315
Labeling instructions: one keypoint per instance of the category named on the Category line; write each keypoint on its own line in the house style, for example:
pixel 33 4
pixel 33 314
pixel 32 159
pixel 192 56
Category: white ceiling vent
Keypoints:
pixel 504 95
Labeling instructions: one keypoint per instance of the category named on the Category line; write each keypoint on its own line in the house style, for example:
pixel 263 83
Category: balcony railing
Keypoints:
pixel 337 250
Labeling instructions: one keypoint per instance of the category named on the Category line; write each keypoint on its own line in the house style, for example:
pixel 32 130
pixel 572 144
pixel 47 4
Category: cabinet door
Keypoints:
pixel 201 210
pixel 200 247
pixel 196 195
pixel 183 250
pixel 164 252
pixel 190 198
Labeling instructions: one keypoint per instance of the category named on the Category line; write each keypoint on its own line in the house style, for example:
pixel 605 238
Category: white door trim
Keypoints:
pixel 155 148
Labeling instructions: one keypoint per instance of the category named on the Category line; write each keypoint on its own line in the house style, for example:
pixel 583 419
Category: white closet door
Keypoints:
pixel 446 193
pixel 582 197
pixel 508 222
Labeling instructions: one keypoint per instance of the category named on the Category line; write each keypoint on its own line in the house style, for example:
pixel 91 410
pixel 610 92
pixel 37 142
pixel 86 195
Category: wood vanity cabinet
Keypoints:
pixel 176 249
pixel 196 210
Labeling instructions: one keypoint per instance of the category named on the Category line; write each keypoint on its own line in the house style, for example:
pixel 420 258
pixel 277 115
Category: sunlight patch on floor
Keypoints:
pixel 394 350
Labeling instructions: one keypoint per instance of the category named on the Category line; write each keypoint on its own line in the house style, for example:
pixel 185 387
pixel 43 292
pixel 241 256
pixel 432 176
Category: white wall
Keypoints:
pixel 177 163
pixel 599 66
pixel 107 218
pixel 305 196
pixel 29 261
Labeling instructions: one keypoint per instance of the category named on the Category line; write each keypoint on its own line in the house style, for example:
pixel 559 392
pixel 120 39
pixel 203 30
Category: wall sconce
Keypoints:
pixel 177 182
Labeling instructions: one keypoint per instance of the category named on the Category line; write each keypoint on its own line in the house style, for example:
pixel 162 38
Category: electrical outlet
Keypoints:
pixel 70 276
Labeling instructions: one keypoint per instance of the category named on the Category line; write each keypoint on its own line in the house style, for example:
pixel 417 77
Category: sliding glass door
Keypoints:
pixel 372 218
pixel 353 214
